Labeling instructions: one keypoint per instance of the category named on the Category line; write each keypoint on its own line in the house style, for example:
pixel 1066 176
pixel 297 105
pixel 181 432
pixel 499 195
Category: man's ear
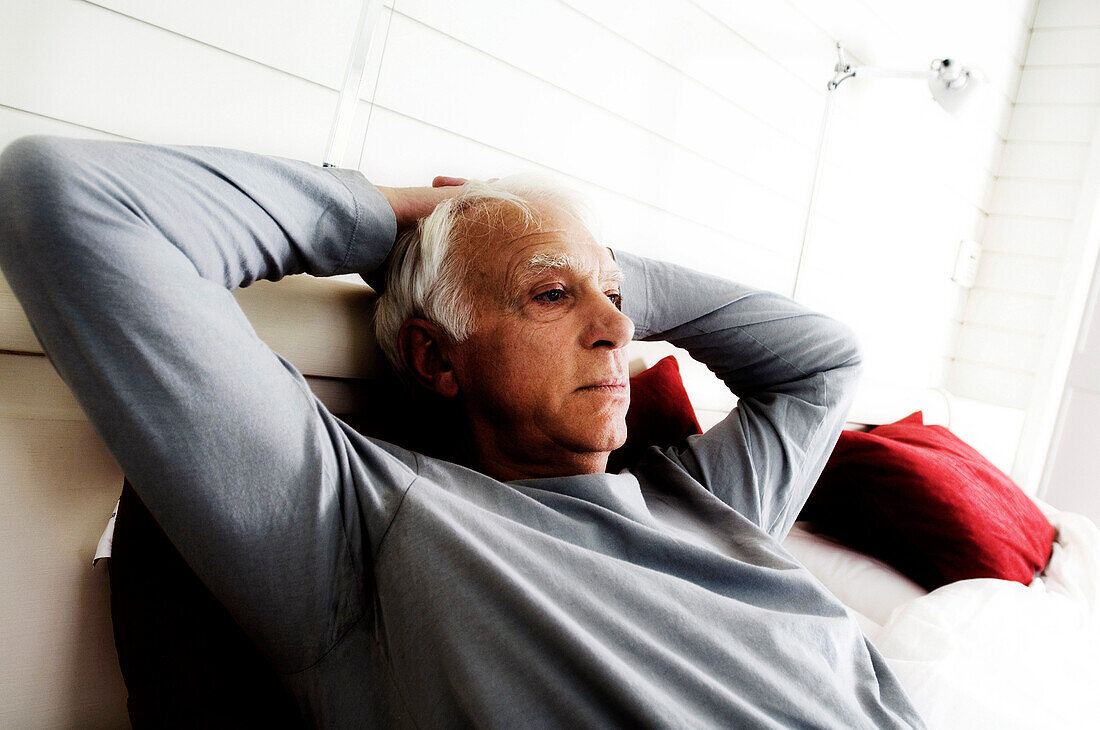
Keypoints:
pixel 422 345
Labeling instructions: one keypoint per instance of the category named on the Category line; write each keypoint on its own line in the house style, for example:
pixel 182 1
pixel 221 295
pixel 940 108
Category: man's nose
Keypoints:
pixel 608 326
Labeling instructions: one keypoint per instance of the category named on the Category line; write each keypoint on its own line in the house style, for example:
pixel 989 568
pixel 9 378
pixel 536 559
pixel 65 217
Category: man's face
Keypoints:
pixel 544 376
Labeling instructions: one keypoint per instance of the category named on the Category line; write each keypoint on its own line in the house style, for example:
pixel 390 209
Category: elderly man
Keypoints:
pixel 524 587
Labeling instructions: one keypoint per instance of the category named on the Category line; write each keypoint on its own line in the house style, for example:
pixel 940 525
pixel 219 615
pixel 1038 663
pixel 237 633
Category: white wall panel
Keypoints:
pixel 1067 13
pixel 1036 198
pixel 1064 47
pixel 1034 203
pixel 444 83
pixel 1021 274
pixel 76 62
pixel 1009 310
pixel 307 39
pixel 1002 386
pixel 866 35
pixel 680 34
pixel 1062 161
pixel 1026 236
pixel 781 32
pixel 15 123
pixel 610 72
pixel 1052 123
pixel 995 346
pixel 416 151
pixel 1060 85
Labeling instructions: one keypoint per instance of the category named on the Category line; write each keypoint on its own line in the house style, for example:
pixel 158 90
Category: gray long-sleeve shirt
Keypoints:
pixel 388 586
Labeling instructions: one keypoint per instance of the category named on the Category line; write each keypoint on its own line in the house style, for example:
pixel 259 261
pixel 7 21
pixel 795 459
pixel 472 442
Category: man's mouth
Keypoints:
pixel 608 385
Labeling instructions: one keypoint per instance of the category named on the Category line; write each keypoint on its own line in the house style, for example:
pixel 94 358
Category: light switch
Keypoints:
pixel 966 263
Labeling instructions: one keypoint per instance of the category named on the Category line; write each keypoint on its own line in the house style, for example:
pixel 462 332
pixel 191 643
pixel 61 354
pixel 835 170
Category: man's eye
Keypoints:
pixel 616 299
pixel 551 296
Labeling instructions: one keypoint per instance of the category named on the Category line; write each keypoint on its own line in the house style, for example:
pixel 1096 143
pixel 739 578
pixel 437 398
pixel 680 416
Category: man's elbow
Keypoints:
pixel 850 347
pixel 39 180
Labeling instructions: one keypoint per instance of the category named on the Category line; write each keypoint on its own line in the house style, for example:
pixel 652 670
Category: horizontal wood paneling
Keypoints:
pixel 1063 13
pixel 1009 310
pixel 1020 274
pixel 1052 123
pixel 16 123
pixel 685 37
pixel 1034 202
pixel 995 346
pixel 630 83
pixel 1026 236
pixel 1060 85
pixel 1064 47
pixel 446 84
pixel 80 63
pixel 310 40
pixel 1036 199
pixel 1058 161
pixel 779 31
pixel 997 385
pixel 416 151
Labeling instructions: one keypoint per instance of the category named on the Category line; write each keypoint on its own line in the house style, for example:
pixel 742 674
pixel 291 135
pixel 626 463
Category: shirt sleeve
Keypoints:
pixel 794 372
pixel 123 257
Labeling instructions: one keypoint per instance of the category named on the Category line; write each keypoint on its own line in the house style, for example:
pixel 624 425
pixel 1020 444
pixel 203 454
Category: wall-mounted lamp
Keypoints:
pixel 949 81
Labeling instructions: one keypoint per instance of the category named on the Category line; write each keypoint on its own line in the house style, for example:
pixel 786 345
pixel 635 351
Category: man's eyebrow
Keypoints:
pixel 540 263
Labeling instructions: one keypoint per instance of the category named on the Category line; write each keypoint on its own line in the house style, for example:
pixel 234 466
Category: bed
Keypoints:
pixel 981 653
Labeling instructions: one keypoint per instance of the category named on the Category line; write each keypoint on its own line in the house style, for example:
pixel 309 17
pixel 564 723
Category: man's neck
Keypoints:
pixel 506 470
pixel 505 462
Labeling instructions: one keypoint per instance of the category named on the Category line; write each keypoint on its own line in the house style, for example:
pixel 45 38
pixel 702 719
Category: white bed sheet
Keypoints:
pixel 984 653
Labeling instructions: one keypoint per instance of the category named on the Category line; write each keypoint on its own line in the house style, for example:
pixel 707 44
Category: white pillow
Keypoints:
pixel 865 584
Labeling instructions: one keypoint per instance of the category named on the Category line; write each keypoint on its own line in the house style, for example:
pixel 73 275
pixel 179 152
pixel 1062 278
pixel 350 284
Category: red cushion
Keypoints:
pixel 920 499
pixel 660 413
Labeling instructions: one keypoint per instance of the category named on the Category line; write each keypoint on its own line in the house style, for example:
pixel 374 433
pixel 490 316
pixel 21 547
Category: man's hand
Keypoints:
pixel 412 204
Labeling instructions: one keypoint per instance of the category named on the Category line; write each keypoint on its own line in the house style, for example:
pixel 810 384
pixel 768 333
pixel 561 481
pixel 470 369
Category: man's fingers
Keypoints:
pixel 442 181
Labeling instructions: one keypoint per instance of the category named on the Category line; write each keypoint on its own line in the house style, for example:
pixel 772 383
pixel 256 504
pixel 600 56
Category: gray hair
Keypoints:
pixel 425 278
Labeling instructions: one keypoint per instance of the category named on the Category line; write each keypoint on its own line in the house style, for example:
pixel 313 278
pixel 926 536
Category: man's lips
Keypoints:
pixel 608 385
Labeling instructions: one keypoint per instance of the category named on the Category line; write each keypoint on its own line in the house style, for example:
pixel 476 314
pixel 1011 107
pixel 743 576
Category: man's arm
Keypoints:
pixel 794 372
pixel 123 256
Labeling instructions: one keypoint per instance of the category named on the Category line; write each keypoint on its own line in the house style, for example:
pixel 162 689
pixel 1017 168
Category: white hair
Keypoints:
pixel 425 278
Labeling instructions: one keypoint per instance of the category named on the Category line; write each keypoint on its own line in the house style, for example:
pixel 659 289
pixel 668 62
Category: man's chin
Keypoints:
pixel 609 440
